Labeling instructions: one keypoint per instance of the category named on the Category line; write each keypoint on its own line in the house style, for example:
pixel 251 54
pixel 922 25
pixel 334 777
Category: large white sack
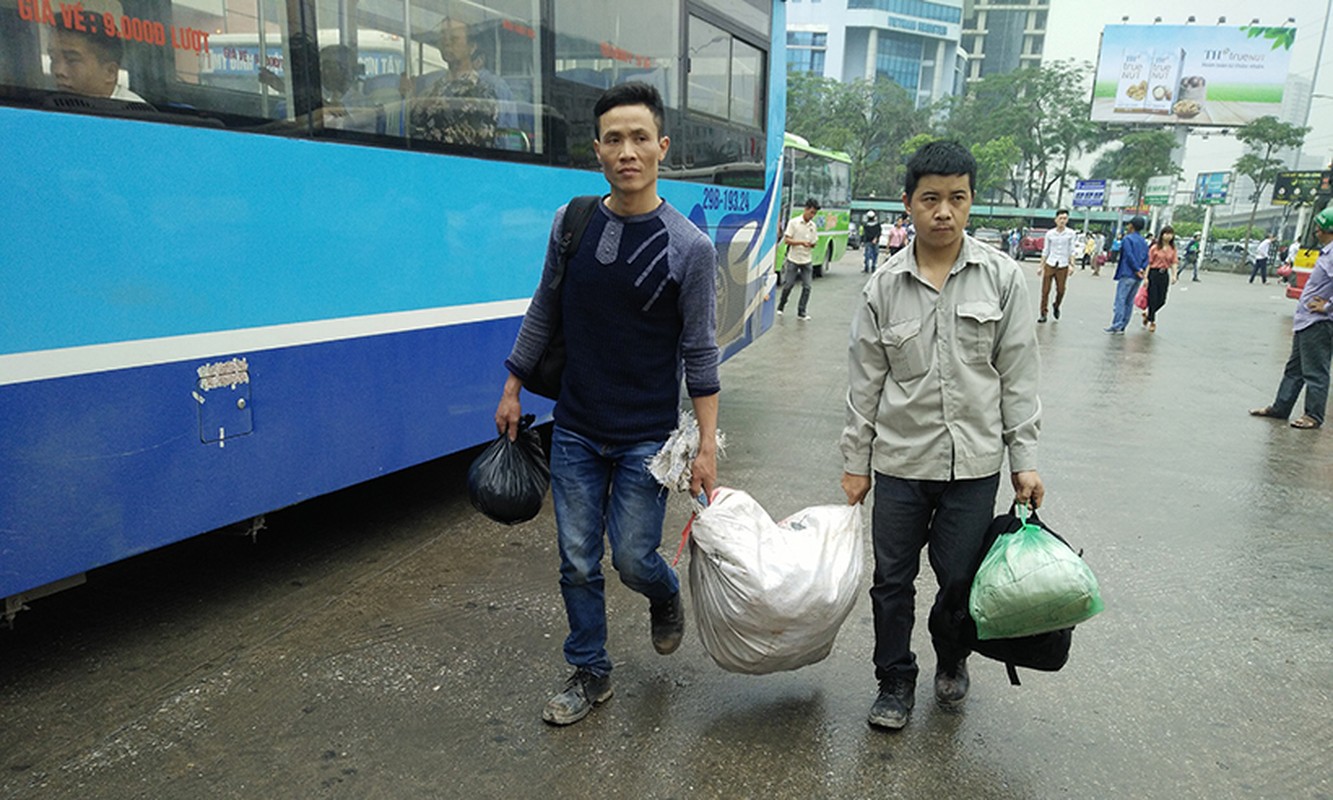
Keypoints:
pixel 770 596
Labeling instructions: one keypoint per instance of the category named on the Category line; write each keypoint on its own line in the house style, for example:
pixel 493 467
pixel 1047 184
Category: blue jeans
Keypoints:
pixel 1308 365
pixel 1124 302
pixel 598 490
pixel 949 516
pixel 871 256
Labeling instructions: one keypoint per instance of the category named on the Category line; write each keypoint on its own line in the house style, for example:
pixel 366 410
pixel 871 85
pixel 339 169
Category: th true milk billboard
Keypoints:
pixel 1191 74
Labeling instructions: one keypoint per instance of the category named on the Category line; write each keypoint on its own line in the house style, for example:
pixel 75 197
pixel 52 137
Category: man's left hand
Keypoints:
pixel 1028 488
pixel 703 473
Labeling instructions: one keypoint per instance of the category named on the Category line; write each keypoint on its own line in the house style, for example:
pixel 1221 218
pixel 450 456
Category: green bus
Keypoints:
pixel 825 175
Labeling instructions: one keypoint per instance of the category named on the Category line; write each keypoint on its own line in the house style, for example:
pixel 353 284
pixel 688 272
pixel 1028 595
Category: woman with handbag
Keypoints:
pixel 1163 269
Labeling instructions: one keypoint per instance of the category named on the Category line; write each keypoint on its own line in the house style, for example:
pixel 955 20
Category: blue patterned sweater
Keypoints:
pixel 639 311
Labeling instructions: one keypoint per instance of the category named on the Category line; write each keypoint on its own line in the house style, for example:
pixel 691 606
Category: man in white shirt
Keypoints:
pixel 1057 253
pixel 1261 258
pixel 800 238
pixel 88 63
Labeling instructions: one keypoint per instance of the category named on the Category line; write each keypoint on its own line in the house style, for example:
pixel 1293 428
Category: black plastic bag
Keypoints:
pixel 509 479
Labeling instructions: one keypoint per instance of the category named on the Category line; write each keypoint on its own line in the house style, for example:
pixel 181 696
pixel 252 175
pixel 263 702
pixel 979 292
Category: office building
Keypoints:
pixel 912 42
pixel 1000 36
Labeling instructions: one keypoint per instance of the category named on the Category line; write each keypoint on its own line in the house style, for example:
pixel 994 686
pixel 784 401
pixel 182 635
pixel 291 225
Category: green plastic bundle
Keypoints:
pixel 1031 581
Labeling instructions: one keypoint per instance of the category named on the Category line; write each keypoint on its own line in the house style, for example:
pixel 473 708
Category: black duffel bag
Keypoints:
pixel 1046 652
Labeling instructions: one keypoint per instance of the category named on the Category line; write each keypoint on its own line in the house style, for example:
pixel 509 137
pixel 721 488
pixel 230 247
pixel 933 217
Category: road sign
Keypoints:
pixel 1301 188
pixel 1159 190
pixel 1119 195
pixel 1210 188
pixel 1090 193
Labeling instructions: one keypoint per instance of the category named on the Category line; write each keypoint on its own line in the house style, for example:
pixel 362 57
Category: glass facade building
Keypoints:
pixel 914 43
pixel 1001 36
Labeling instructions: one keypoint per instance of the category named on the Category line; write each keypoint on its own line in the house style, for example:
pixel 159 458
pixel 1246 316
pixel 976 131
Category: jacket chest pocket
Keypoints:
pixel 977 323
pixel 906 352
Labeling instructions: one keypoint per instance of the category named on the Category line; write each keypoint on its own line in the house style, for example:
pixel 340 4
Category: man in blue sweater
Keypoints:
pixel 1128 273
pixel 637 305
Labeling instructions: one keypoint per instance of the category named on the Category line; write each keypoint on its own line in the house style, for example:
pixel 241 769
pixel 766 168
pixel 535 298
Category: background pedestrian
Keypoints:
pixel 1128 272
pixel 870 233
pixel 800 238
pixel 1311 340
pixel 1162 272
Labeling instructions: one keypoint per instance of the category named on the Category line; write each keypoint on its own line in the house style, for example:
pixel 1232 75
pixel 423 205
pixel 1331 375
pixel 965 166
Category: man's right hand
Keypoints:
pixel 510 410
pixel 856 487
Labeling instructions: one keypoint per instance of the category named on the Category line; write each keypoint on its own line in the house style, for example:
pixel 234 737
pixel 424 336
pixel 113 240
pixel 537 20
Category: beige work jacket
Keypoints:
pixel 942 383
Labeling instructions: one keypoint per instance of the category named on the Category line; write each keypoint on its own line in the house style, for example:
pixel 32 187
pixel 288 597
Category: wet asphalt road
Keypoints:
pixel 387 642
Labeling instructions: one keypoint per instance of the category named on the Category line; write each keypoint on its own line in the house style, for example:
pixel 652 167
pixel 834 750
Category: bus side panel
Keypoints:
pixel 96 468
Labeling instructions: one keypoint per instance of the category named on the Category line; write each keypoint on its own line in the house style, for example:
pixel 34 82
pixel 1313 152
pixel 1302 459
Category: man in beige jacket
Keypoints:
pixel 943 383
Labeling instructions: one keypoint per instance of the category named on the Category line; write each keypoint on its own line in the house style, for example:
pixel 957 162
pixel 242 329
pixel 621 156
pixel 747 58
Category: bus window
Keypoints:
pixel 436 74
pixel 72 50
pixel 726 114
pixel 598 46
pixel 485 91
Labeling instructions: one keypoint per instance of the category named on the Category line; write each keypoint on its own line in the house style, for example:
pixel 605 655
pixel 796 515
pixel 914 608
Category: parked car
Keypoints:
pixel 1032 243
pixel 991 237
pixel 1230 253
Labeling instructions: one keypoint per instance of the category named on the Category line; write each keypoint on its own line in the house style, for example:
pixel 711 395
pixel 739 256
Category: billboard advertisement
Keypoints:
pixel 1191 74
pixel 1301 188
pixel 1210 188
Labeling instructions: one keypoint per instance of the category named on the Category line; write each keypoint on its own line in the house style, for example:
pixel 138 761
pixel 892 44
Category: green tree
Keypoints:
pixel 808 100
pixel 909 147
pixel 1187 214
pixel 1144 155
pixel 869 120
pixel 995 160
pixel 1044 111
pixel 1263 138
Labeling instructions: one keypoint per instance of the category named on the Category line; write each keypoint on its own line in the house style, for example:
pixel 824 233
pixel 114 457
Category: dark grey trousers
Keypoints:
pixel 1311 352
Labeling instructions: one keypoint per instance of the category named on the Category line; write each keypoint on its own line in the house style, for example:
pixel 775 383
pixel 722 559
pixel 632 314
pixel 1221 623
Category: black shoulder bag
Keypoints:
pixel 546 375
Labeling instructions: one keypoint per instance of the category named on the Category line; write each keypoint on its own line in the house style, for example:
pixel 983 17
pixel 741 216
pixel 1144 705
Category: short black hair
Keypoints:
pixel 1137 223
pixel 941 158
pixel 1064 211
pixel 633 93
pixel 811 202
pixel 105 48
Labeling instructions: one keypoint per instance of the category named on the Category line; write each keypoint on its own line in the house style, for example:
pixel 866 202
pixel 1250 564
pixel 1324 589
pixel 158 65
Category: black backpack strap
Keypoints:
pixel 577 216
pixel 1013 673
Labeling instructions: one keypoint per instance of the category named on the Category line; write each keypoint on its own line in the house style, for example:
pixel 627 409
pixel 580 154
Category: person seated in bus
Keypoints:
pixel 345 106
pixel 466 104
pixel 301 67
pixel 87 63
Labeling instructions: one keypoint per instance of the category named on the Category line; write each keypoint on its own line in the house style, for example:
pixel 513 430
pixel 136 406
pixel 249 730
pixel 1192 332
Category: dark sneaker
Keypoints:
pixel 951 685
pixel 582 691
pixel 668 618
pixel 893 707
pixel 1055 312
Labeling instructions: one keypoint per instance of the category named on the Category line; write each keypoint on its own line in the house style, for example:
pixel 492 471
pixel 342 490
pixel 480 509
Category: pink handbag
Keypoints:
pixel 1141 299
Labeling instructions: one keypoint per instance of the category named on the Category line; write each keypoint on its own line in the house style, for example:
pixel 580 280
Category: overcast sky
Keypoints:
pixel 1074 29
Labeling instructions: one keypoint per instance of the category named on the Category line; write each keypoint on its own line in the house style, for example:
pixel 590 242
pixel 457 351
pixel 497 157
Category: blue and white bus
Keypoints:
pixel 241 281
